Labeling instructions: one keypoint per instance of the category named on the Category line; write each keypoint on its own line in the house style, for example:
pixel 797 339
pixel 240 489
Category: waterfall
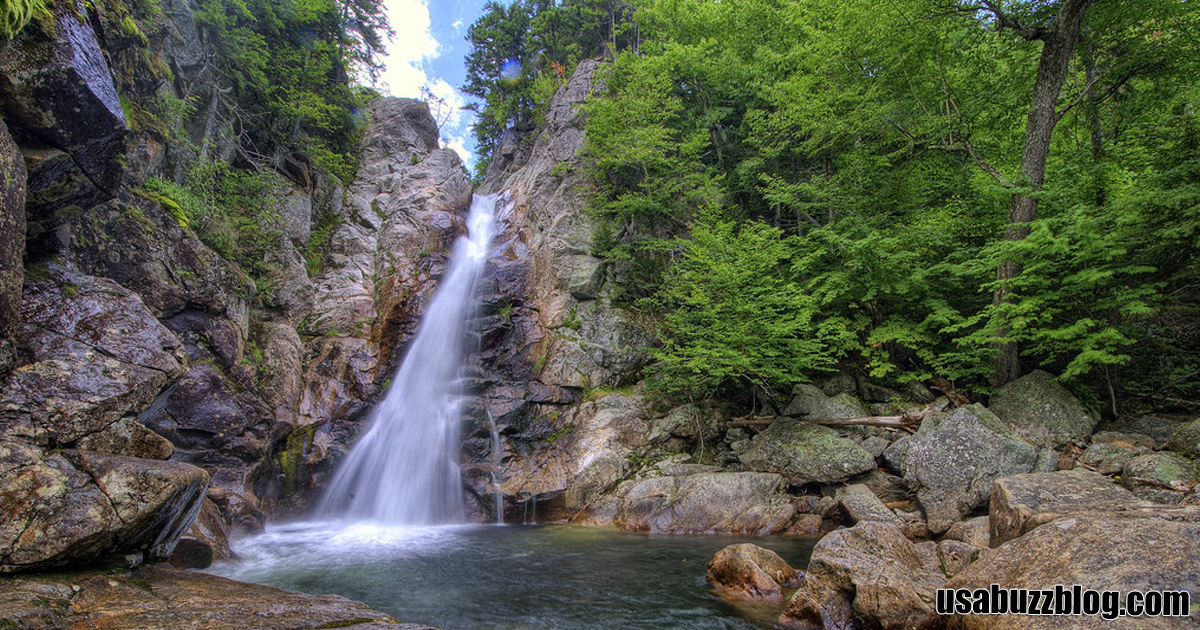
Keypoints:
pixel 404 469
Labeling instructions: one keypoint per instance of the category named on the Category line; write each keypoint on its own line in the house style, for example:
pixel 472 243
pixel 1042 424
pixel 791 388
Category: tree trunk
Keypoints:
pixel 1058 44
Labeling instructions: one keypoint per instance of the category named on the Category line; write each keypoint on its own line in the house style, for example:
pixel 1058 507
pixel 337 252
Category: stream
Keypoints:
pixel 477 577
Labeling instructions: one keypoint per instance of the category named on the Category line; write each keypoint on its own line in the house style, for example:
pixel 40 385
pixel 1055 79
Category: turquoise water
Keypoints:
pixel 477 577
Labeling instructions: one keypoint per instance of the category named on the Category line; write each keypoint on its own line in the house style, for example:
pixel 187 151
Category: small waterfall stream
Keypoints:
pixel 404 470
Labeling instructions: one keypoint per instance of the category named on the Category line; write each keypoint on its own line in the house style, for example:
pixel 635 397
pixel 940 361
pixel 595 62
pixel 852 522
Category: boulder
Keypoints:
pixel 1128 440
pixel 1108 459
pixel 1186 440
pixel 1095 551
pixel 128 437
pixel 1038 409
pixel 869 576
pixel 888 487
pixel 750 572
pixel 953 463
pixel 976 532
pixel 812 403
pixel 805 453
pixel 12 246
pixel 1159 428
pixel 156 597
pixel 743 503
pixel 96 355
pixel 74 508
pixel 861 504
pixel 1023 502
pixel 1164 477
pixel 205 541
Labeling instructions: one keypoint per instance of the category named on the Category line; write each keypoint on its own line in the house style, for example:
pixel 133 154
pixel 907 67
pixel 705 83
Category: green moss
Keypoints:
pixel 506 312
pixel 15 14
pixel 292 457
pixel 142 584
pixel 560 432
pixel 131 30
pixel 541 362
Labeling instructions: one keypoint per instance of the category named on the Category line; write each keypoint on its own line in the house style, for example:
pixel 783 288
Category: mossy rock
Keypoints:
pixel 1186 440
pixel 806 453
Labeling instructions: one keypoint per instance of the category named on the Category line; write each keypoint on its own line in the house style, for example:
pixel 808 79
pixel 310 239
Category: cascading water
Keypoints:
pixel 404 469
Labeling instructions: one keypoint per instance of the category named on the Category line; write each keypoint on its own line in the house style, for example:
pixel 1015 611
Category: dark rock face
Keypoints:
pixel 94 355
pixel 751 572
pixel 12 246
pixel 157 597
pixel 76 508
pixel 60 93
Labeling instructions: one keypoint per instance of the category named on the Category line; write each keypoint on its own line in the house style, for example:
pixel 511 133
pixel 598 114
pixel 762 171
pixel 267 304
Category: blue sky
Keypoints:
pixel 429 51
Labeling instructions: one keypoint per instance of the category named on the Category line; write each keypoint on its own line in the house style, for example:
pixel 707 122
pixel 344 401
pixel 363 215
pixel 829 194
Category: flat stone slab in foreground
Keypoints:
pixel 158 597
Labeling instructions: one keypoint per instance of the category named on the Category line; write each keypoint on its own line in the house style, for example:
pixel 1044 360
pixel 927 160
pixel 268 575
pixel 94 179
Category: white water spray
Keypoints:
pixel 404 469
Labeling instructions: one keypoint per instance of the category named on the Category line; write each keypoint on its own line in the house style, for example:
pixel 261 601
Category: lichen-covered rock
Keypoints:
pixel 1186 439
pixel 1164 477
pixel 701 503
pixel 867 576
pixel 96 355
pixel 953 463
pixel 1096 551
pixel 1023 502
pixel 750 572
pixel 812 403
pixel 976 532
pixel 157 597
pixel 805 453
pixel 12 246
pixel 1039 410
pixel 128 437
pixel 1108 459
pixel 76 508
pixel 861 504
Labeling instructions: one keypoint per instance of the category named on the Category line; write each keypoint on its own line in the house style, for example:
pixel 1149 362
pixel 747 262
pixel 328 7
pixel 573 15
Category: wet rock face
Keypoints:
pixel 75 508
pixel 177 599
pixel 92 354
pixel 12 246
pixel 60 93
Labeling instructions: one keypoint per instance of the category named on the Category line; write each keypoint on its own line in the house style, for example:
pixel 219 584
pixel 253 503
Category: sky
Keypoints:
pixel 429 50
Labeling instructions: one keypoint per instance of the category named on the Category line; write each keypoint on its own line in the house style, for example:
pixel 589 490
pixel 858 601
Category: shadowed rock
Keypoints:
pixel 751 572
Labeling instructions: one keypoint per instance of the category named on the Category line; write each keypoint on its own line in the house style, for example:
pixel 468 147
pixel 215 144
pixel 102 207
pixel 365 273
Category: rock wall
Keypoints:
pixel 550 332
pixel 123 335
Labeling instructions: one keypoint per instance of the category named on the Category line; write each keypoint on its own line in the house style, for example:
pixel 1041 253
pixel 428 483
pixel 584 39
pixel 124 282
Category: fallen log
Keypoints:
pixel 908 422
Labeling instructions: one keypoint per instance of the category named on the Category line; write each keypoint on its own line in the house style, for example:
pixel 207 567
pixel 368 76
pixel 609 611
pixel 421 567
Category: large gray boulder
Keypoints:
pixel 96 355
pixel 867 576
pixel 953 462
pixel 806 453
pixel 743 503
pixel 812 403
pixel 1023 502
pixel 74 508
pixel 861 504
pixel 1096 551
pixel 1039 410
pixel 1186 440
pixel 1164 477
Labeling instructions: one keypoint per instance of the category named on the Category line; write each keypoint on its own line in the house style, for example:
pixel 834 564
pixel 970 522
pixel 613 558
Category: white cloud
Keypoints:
pixel 406 71
pixel 413 44
pixel 458 24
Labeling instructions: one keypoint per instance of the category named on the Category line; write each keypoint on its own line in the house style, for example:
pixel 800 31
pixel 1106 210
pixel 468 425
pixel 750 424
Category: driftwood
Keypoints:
pixel 908 422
